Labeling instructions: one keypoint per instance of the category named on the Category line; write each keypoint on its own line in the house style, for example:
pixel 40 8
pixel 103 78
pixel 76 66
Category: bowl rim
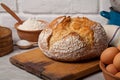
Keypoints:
pixel 102 66
pixel 17 24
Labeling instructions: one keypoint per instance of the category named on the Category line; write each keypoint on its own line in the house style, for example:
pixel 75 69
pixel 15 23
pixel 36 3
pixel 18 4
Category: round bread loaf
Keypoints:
pixel 73 39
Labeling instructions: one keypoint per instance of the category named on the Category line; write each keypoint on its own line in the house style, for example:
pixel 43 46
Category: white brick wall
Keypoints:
pixel 104 5
pixel 49 9
pixel 60 6
pixel 10 3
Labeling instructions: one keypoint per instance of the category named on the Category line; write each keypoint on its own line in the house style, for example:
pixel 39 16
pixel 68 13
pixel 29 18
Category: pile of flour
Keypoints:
pixel 32 25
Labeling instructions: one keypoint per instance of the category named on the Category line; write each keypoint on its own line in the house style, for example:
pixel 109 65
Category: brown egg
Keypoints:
pixel 116 61
pixel 117 74
pixel 111 68
pixel 118 47
pixel 108 55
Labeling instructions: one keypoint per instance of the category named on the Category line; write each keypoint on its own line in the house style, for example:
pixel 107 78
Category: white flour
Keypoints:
pixel 23 43
pixel 31 25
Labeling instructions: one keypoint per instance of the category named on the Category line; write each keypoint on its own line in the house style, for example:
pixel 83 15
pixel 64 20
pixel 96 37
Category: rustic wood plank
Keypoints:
pixel 37 63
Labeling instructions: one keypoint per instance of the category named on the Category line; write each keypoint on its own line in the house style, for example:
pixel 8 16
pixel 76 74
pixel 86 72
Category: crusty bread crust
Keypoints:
pixel 71 45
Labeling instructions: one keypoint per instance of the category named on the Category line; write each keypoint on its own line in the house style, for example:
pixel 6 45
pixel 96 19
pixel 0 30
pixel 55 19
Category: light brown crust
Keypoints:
pixel 70 45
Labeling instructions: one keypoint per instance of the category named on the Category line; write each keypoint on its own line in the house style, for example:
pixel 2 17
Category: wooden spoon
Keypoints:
pixel 12 13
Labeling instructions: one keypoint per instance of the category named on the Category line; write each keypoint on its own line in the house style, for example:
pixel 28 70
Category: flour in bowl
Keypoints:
pixel 32 25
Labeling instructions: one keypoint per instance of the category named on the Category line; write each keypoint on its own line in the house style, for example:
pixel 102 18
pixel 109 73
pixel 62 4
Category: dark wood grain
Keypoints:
pixel 37 63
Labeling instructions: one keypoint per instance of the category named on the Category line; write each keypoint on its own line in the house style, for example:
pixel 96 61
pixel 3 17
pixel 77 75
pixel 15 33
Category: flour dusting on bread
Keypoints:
pixel 73 39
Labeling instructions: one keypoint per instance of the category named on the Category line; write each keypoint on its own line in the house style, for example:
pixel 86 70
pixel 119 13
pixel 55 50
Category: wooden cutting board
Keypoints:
pixel 35 62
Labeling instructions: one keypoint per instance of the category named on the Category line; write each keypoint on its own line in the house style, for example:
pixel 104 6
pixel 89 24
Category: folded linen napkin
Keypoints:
pixel 113 33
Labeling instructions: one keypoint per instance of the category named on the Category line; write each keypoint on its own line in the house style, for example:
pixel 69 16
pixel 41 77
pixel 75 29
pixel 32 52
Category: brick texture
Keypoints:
pixel 105 5
pixel 60 6
pixel 9 3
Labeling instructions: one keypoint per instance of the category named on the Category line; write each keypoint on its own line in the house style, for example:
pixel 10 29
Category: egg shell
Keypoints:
pixel 116 61
pixel 111 68
pixel 108 55
pixel 118 47
pixel 117 74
